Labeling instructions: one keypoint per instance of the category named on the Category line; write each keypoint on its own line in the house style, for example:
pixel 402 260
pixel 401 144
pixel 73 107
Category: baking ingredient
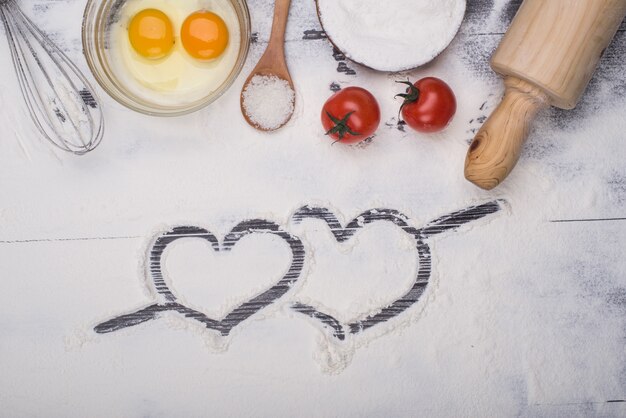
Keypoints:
pixel 178 78
pixel 151 34
pixel 429 105
pixel 204 35
pixel 522 318
pixel 268 101
pixel 391 35
pixel 351 115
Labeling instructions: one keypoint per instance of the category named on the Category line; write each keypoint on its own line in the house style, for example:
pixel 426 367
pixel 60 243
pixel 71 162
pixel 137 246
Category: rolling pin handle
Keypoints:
pixel 497 146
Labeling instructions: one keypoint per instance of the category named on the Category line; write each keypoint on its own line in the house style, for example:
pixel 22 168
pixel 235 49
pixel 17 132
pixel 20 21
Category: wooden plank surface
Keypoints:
pixel 561 262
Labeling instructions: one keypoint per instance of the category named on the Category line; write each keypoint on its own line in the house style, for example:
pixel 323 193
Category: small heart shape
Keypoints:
pixel 169 301
pixel 372 269
pixel 342 234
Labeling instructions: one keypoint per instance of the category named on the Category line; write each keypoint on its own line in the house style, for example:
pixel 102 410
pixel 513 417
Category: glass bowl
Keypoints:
pixel 97 22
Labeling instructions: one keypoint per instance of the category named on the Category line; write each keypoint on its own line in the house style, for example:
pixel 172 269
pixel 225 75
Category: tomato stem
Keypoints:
pixel 341 126
pixel 412 95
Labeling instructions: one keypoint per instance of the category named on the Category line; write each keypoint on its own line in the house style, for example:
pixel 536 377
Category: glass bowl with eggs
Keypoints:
pixel 166 57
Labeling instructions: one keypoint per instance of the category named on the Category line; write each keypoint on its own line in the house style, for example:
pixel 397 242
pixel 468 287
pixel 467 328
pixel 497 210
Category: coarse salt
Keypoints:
pixel 268 101
pixel 391 36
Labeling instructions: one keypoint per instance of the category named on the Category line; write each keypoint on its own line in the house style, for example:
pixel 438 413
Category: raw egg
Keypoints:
pixel 151 34
pixel 204 35
pixel 160 68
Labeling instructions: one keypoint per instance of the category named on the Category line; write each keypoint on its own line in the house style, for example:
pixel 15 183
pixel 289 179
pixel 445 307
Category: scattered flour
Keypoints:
pixel 391 35
pixel 522 317
pixel 268 101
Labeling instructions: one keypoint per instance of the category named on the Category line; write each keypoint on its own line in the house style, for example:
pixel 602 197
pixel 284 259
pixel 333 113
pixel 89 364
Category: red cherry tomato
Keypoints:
pixel 429 105
pixel 351 115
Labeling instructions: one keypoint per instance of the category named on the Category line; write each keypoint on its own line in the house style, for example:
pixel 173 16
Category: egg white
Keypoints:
pixel 177 79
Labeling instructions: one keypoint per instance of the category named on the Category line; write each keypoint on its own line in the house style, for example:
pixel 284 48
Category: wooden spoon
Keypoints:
pixel 272 63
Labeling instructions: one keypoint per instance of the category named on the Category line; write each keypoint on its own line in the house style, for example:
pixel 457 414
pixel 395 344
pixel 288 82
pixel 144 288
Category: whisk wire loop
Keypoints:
pixel 59 98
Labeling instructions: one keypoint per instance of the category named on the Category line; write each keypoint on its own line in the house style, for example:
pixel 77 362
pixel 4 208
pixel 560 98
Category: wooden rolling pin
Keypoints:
pixel 547 57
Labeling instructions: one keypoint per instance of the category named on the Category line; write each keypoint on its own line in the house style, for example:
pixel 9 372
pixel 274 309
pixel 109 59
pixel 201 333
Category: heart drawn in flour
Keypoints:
pixel 354 278
pixel 216 282
pixel 422 276
pixel 170 302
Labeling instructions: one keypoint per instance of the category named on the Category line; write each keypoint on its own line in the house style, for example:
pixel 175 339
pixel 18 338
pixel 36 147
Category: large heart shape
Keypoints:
pixel 216 282
pixel 342 234
pixel 169 301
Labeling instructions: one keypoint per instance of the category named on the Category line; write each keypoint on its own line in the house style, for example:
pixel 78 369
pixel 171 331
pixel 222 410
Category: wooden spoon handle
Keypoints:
pixel 279 24
pixel 497 146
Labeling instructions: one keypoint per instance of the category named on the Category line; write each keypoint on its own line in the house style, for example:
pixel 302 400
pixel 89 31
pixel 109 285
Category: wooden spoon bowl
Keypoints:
pixel 272 63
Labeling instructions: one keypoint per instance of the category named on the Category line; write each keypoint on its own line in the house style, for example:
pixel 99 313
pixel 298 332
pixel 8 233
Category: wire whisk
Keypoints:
pixel 59 98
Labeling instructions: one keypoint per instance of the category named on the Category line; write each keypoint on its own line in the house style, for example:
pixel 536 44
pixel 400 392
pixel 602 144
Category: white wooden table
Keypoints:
pixel 542 329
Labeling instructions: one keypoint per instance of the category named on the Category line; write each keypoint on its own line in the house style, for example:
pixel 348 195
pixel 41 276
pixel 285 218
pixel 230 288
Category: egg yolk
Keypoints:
pixel 204 35
pixel 151 34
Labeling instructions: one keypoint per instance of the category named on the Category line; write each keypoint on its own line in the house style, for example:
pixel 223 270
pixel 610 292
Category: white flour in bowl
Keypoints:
pixel 391 36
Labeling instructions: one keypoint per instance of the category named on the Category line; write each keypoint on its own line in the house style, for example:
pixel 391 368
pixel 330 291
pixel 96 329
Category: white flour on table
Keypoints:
pixel 522 316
